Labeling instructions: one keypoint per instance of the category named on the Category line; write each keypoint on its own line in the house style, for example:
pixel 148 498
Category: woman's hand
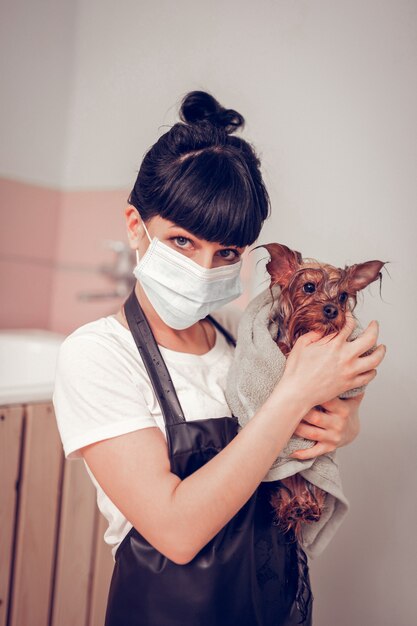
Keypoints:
pixel 320 368
pixel 334 428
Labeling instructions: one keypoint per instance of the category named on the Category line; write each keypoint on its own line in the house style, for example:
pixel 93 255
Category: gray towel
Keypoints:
pixel 257 367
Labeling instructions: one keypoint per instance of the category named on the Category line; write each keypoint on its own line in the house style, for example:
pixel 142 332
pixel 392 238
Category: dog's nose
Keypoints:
pixel 330 311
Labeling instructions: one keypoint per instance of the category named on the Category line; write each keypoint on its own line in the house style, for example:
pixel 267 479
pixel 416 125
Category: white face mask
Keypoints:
pixel 180 290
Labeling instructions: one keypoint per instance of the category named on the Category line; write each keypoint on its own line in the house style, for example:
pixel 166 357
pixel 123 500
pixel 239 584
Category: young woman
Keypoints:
pixel 140 397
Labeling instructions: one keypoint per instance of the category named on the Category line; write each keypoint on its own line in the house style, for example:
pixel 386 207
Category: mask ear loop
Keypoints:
pixel 146 231
pixel 150 241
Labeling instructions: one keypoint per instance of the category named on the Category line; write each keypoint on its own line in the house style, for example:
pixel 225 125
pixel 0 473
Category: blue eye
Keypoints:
pixel 309 288
pixel 181 240
pixel 226 253
pixel 343 297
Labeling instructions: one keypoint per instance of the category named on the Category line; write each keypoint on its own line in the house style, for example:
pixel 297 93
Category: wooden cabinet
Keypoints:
pixel 55 567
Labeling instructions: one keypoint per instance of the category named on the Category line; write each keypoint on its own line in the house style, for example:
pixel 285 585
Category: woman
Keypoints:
pixel 140 397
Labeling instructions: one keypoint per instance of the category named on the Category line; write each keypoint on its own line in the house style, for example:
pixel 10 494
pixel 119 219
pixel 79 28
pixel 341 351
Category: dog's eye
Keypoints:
pixel 309 288
pixel 343 297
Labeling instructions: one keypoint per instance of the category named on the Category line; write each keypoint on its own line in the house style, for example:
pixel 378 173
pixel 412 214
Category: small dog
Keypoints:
pixel 314 296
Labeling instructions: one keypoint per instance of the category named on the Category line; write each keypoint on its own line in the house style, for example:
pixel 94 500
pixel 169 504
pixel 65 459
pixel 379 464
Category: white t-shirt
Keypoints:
pixel 102 390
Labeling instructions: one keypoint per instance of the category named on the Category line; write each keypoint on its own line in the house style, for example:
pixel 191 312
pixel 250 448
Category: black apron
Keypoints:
pixel 247 575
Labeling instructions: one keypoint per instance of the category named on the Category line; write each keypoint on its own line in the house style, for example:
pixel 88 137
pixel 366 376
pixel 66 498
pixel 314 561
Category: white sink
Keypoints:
pixel 27 365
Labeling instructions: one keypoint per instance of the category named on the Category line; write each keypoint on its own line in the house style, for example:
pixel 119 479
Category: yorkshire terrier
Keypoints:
pixel 314 296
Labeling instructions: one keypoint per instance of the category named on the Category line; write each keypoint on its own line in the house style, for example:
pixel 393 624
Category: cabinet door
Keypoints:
pixel 84 563
pixel 36 524
pixel 55 567
pixel 103 569
pixel 11 423
pixel 75 550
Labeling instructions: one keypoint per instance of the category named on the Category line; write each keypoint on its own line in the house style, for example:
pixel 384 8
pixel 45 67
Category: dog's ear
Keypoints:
pixel 284 262
pixel 363 274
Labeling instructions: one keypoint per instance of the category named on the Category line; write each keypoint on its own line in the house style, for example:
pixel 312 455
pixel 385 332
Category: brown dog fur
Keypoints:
pixel 314 296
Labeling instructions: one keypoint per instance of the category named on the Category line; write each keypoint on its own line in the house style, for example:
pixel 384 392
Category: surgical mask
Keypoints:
pixel 180 290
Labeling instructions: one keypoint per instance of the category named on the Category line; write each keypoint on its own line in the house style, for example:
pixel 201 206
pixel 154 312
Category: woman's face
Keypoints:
pixel 205 253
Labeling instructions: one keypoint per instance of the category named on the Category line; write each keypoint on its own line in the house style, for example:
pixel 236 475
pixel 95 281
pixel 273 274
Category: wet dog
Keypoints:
pixel 314 296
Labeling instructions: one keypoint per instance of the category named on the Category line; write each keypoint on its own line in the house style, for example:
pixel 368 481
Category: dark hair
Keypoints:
pixel 202 178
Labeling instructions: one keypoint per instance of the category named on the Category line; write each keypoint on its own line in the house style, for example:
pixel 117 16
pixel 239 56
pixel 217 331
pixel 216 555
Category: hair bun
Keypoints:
pixel 200 106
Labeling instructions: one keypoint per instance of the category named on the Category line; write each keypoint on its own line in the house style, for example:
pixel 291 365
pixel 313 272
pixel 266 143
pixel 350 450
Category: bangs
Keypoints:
pixel 214 197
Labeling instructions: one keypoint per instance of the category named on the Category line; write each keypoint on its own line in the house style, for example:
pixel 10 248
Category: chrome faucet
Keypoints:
pixel 120 272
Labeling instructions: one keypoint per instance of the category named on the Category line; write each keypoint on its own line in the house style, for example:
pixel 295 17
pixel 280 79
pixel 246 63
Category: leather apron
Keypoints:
pixel 248 574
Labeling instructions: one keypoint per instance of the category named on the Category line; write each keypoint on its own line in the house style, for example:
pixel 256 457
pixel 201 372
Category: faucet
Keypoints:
pixel 120 271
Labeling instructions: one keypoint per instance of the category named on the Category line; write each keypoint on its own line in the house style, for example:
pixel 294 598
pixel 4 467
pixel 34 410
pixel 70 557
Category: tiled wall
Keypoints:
pixel 29 223
pixel 52 246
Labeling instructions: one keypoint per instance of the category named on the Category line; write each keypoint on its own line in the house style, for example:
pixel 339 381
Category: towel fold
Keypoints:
pixel 257 367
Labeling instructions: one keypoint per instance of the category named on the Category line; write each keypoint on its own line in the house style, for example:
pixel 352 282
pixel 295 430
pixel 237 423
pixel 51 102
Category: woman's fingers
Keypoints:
pixel 310 453
pixel 311 337
pixel 365 364
pixel 333 406
pixel 332 428
pixel 344 332
pixel 366 340
pixel 317 418
pixel 341 406
pixel 348 328
pixel 309 431
pixel 363 379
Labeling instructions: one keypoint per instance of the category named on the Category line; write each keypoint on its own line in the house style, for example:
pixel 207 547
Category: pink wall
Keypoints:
pixel 29 224
pixel 51 251
pixel 87 219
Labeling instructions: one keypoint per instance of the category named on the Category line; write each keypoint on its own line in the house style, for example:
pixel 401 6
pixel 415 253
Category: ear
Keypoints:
pixel 284 262
pixel 363 274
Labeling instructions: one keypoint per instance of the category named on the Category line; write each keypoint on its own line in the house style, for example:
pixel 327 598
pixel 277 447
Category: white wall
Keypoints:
pixel 36 68
pixel 329 93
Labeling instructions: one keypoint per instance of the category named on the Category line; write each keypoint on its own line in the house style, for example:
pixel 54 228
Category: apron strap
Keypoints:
pixel 153 361
pixel 225 332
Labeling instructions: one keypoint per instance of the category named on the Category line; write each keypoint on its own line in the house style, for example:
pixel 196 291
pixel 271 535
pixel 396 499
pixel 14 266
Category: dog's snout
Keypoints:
pixel 330 311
